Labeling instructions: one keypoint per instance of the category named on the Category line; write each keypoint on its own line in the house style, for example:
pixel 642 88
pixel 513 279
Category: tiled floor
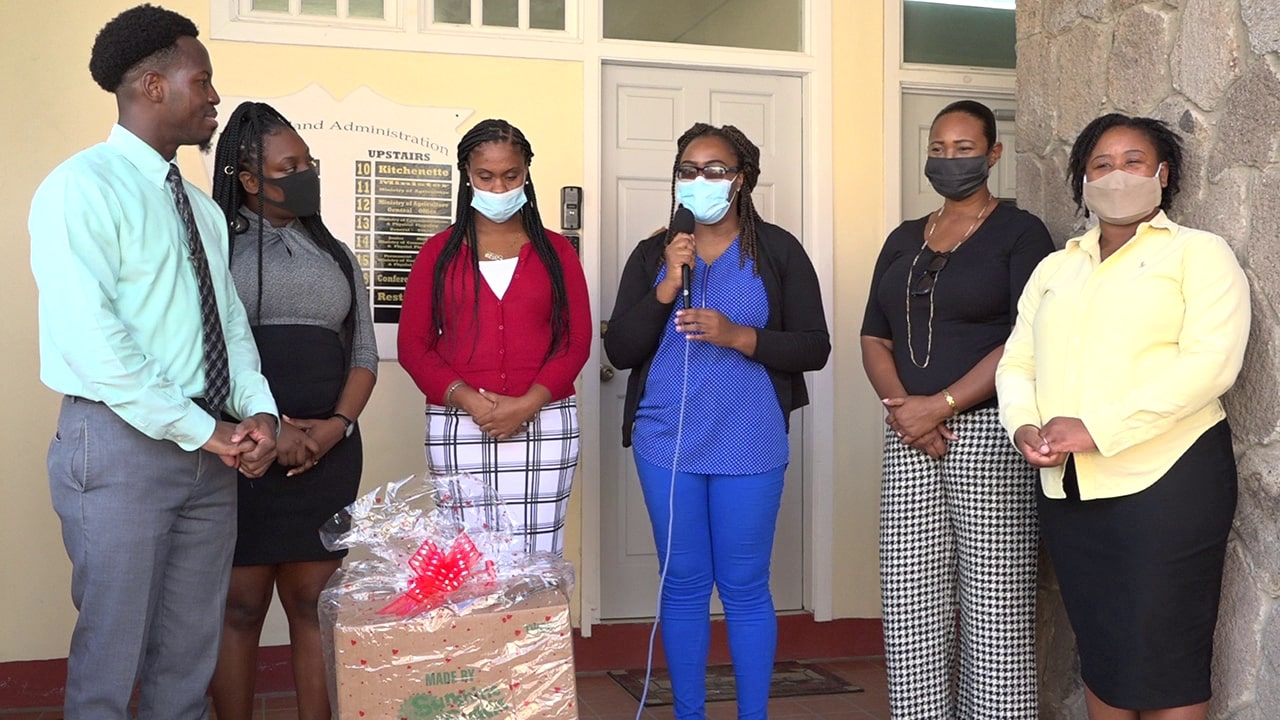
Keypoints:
pixel 600 698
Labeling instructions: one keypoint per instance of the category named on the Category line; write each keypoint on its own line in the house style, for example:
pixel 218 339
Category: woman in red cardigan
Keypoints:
pixel 495 327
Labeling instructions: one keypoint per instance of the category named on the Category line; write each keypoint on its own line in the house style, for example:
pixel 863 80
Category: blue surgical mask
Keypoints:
pixel 498 207
pixel 708 201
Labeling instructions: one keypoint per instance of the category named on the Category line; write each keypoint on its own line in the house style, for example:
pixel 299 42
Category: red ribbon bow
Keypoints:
pixel 436 575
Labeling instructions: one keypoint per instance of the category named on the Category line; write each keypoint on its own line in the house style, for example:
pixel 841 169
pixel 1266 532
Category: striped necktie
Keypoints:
pixel 217 376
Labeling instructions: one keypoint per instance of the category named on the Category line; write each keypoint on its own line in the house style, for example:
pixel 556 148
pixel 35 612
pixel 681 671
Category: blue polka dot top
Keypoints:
pixel 732 422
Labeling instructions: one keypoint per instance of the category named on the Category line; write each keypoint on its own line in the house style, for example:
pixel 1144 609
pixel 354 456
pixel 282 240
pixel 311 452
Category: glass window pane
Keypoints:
pixel 319 7
pixel 501 13
pixel 979 34
pixel 364 8
pixel 546 14
pixel 271 5
pixel 452 11
pixel 755 24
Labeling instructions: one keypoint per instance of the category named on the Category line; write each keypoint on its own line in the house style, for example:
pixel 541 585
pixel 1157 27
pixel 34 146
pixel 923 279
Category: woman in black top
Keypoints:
pixel 958 531
pixel 307 304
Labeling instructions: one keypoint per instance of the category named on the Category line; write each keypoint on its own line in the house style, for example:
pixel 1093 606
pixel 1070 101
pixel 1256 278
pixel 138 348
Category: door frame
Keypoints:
pixel 901 77
pixel 636 170
pixel 814 67
pixel 988 97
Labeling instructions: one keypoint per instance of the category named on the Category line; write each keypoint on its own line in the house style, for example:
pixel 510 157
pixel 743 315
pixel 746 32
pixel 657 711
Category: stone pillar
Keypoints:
pixel 1210 68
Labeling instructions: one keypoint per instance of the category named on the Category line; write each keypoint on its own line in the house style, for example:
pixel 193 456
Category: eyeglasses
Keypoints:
pixel 714 173
pixel 929 277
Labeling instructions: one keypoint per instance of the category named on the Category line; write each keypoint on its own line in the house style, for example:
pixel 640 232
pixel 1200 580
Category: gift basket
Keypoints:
pixel 447 620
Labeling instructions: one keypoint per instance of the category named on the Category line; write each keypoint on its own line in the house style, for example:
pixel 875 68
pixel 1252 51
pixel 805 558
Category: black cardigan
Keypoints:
pixel 794 340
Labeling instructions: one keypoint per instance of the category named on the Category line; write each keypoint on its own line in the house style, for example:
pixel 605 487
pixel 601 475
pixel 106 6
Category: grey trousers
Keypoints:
pixel 150 529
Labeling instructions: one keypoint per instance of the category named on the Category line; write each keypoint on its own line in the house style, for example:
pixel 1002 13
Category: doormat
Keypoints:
pixel 789 680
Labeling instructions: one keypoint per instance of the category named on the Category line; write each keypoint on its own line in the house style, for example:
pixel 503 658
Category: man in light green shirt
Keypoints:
pixel 143 466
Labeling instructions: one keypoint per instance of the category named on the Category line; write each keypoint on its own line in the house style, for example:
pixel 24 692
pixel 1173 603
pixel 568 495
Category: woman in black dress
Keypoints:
pixel 307 303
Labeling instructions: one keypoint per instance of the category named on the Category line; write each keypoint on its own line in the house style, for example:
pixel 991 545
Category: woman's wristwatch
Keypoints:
pixel 348 424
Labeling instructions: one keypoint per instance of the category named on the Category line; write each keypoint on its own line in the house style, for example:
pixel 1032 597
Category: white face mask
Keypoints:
pixel 1122 198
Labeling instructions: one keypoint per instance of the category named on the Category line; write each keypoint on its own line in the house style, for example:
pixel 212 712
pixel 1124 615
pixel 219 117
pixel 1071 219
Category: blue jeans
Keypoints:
pixel 723 535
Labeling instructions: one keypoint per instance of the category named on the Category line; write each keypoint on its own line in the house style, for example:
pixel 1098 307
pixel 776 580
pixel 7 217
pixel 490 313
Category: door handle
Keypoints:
pixel 606 373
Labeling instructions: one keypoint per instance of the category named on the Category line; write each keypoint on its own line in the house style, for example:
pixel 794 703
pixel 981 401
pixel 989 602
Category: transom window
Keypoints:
pixel 752 24
pixel 528 28
pixel 522 14
pixel 339 9
pixel 993 4
pixel 972 33
pixel 503 15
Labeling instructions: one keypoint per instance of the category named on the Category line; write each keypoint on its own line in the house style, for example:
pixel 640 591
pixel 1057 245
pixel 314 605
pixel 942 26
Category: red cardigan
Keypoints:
pixel 502 344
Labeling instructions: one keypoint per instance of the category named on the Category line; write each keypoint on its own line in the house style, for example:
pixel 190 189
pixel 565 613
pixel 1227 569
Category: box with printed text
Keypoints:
pixel 449 619
pixel 499 662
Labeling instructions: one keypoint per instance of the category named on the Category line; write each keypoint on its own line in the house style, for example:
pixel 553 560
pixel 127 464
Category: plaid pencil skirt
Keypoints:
pixel 532 473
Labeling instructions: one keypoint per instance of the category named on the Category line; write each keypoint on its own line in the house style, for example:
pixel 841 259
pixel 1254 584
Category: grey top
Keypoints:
pixel 302 285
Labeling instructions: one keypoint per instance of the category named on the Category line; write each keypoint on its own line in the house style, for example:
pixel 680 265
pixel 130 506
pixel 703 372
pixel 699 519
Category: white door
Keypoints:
pixel 645 110
pixel 918 111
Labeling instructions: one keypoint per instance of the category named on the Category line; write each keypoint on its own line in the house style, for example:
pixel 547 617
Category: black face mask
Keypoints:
pixel 301 193
pixel 957 178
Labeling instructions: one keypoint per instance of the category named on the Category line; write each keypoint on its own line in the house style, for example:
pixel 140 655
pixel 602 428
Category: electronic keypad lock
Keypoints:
pixel 570 207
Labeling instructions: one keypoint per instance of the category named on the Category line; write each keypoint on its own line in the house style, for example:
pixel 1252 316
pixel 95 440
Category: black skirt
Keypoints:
pixel 279 517
pixel 1141 575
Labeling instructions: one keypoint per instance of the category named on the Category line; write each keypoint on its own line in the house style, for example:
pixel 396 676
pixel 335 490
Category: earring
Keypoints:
pixel 239 225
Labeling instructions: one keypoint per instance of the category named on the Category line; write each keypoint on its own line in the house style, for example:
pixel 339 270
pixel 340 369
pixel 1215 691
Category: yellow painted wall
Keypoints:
pixel 53 109
pixel 858 156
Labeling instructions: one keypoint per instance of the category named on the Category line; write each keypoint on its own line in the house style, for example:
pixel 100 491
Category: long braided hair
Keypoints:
pixel 748 167
pixel 240 148
pixel 464 231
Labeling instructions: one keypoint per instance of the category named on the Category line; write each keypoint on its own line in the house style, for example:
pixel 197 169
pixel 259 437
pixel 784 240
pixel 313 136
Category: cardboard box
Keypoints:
pixel 511 662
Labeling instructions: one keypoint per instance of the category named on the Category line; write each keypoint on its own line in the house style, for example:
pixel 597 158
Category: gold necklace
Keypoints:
pixel 937 218
pixel 911 271
pixel 491 255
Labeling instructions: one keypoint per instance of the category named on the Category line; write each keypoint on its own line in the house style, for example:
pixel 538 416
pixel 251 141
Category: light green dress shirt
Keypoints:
pixel 119 307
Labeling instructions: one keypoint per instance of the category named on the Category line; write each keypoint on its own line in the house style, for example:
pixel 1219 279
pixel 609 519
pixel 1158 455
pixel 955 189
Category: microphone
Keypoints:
pixel 683 223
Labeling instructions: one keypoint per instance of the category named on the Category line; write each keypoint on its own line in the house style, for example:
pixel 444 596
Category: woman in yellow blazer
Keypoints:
pixel 1110 384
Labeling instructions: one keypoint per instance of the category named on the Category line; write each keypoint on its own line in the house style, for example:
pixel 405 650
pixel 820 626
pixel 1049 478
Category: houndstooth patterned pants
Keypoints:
pixel 959 535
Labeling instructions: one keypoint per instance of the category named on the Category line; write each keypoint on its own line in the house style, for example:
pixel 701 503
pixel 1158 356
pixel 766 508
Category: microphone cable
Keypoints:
pixel 671 520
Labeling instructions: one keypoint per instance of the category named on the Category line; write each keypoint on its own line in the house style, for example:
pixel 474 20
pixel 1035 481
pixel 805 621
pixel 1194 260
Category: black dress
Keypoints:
pixel 279 516
pixel 298 322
